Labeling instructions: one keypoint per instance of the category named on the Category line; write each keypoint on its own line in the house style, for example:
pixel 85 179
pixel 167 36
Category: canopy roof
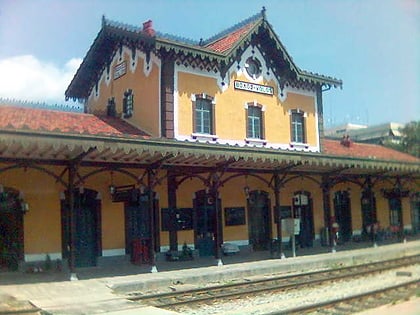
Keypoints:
pixel 217 53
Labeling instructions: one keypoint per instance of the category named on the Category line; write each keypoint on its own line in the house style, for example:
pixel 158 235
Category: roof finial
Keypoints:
pixel 263 12
pixel 103 20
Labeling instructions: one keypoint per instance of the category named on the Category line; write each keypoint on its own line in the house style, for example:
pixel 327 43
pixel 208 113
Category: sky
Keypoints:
pixel 372 45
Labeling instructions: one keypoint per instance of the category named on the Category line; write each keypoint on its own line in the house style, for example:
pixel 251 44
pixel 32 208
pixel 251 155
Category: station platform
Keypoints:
pixel 101 289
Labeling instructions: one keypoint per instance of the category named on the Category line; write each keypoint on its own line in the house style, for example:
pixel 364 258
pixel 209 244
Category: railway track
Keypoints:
pixel 357 303
pixel 195 297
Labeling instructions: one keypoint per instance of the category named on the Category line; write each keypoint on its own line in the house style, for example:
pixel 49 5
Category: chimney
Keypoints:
pixel 346 141
pixel 148 28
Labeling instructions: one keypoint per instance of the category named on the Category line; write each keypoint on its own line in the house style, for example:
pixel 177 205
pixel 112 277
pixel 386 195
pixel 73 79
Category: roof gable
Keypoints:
pixel 219 52
pixel 227 39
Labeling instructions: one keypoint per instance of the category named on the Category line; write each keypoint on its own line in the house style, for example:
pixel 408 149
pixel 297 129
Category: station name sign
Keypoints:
pixel 256 88
pixel 120 69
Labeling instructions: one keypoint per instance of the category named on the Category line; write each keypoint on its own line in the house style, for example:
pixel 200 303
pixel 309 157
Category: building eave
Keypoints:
pixel 39 146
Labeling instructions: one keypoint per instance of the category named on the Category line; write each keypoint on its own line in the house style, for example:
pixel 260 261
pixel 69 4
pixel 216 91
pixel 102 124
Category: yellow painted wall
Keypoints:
pixel 230 118
pixel 146 90
pixel 42 224
pixel 112 216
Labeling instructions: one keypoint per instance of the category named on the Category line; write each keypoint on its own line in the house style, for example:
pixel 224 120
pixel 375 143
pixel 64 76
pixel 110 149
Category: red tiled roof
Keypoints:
pixel 228 41
pixel 365 150
pixel 20 118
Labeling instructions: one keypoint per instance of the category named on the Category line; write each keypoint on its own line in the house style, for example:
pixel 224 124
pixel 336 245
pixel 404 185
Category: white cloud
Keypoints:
pixel 28 78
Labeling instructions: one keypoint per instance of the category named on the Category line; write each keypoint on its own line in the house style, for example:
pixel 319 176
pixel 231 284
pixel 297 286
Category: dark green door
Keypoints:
pixel 204 224
pixel 368 202
pixel 415 212
pixel 86 226
pixel 342 211
pixel 137 221
pixel 302 210
pixel 11 229
pixel 259 220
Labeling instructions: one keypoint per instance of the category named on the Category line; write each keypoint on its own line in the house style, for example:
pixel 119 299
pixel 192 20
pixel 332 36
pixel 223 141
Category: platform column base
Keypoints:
pixel 73 277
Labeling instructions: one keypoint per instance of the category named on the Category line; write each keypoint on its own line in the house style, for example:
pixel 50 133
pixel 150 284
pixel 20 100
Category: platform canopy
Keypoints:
pixel 50 148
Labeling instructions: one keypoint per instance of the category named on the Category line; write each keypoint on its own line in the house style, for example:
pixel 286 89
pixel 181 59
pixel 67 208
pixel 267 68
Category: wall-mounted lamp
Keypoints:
pixel 112 186
pixel 24 206
pixel 246 187
pixel 112 189
pixel 246 191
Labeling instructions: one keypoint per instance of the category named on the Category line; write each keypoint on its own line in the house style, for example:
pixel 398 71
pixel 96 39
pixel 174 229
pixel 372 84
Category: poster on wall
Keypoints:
pixel 235 216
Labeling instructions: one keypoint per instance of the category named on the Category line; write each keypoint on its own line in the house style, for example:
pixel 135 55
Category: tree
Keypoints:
pixel 410 138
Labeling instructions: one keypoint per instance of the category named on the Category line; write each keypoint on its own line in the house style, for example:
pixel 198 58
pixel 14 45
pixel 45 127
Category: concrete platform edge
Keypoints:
pixel 237 271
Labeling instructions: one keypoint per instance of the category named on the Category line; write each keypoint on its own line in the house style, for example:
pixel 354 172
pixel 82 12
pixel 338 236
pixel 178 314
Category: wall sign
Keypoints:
pixel 120 69
pixel 256 88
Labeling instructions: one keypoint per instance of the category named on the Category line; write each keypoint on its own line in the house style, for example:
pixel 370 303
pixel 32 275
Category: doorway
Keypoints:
pixel 88 234
pixel 259 219
pixel 342 210
pixel 204 219
pixel 369 217
pixel 137 221
pixel 11 229
pixel 302 210
pixel 415 212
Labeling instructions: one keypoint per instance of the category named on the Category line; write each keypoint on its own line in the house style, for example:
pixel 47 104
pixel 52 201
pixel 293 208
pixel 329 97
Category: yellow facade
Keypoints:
pixel 230 118
pixel 143 79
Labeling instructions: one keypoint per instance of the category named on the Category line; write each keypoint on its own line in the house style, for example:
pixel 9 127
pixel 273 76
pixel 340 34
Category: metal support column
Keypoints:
pixel 150 180
pixel 326 199
pixel 277 185
pixel 214 189
pixel 173 235
pixel 72 221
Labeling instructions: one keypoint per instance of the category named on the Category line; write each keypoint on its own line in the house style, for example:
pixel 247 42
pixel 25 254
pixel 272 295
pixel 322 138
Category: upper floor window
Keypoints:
pixel 298 126
pixel 255 122
pixel 110 107
pixel 128 103
pixel 203 114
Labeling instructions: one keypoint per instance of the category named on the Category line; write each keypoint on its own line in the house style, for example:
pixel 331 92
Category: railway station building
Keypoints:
pixel 190 143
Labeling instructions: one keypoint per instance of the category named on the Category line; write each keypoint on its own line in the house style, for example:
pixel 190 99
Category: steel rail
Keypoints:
pixel 364 301
pixel 279 283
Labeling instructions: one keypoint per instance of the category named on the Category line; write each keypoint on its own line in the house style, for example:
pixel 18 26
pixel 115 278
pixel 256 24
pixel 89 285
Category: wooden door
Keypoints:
pixel 259 220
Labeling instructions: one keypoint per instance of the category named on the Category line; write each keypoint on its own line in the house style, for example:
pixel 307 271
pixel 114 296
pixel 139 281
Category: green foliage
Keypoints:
pixel 411 138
